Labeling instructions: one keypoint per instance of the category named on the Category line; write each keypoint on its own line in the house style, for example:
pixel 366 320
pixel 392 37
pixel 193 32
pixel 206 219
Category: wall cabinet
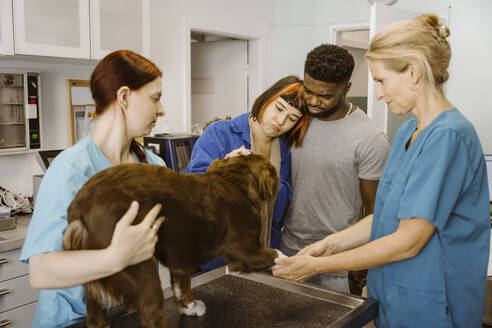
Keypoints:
pixel 6 28
pixel 59 28
pixel 17 299
pixel 87 29
pixel 120 24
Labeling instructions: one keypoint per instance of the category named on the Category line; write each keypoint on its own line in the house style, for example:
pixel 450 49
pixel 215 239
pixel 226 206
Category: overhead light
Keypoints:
pixel 383 2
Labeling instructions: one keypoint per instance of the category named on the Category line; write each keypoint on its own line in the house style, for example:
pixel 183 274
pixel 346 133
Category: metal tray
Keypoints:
pixel 258 300
pixel 261 300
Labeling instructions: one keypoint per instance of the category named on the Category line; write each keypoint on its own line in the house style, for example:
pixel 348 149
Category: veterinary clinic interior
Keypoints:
pixel 248 228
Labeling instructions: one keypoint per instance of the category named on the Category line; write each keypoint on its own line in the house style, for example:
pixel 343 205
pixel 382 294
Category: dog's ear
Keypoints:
pixel 268 182
pixel 266 176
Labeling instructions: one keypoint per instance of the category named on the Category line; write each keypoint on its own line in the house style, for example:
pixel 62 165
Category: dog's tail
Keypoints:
pixel 76 236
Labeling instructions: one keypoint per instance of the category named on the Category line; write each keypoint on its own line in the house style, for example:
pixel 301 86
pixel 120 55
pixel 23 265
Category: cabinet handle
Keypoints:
pixel 4 292
pixel 4 261
pixel 5 323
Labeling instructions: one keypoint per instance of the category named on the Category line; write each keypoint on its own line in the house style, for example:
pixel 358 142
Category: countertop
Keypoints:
pixel 14 238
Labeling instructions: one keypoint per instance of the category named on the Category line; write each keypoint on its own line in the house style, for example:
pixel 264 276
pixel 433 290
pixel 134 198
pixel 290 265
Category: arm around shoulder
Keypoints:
pixel 131 244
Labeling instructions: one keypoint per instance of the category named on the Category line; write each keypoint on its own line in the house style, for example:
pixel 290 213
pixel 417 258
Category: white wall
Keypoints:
pixel 169 49
pixel 300 26
pixel 17 170
pixel 218 86
pixel 471 64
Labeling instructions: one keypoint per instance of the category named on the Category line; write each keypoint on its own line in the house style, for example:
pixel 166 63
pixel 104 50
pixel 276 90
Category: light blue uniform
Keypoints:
pixel 64 177
pixel 441 178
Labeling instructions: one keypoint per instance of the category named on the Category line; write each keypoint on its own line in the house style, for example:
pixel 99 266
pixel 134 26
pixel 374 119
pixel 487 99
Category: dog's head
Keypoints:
pixel 259 174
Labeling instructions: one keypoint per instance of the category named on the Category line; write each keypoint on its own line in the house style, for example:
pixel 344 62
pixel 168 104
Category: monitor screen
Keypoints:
pixel 488 161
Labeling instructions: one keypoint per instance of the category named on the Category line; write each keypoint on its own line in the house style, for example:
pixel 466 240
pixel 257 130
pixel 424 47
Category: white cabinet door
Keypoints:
pixel 58 28
pixel 120 24
pixel 6 28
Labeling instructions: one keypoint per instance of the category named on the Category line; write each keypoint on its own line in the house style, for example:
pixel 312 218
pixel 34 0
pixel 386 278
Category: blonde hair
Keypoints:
pixel 420 42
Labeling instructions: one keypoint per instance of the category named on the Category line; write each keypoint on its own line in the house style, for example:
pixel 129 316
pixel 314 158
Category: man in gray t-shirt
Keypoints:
pixel 336 171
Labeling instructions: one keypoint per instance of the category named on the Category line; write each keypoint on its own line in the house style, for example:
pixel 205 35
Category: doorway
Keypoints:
pixel 355 40
pixel 219 77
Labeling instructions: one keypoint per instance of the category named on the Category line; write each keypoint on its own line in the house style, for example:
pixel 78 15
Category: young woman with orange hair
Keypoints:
pixel 277 121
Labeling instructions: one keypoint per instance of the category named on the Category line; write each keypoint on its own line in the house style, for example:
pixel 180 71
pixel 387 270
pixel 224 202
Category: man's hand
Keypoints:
pixel 322 247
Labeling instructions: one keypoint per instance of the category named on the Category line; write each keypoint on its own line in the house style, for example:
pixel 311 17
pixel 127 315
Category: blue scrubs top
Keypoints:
pixel 64 177
pixel 442 178
pixel 222 137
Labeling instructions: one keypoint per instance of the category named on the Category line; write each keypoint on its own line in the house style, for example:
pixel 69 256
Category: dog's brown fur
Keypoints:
pixel 216 213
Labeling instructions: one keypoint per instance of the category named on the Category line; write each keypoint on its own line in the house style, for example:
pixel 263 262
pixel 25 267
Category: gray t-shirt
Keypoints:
pixel 326 173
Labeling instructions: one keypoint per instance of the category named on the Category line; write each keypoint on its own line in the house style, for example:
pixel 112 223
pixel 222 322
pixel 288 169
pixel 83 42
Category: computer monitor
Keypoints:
pixel 175 149
pixel 44 157
pixel 488 162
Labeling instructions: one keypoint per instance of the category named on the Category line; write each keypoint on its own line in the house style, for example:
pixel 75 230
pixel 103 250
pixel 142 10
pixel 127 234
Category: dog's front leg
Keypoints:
pixel 252 257
pixel 181 283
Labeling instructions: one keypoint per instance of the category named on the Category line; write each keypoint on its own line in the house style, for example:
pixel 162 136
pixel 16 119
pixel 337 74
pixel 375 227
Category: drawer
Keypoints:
pixel 20 317
pixel 19 293
pixel 10 267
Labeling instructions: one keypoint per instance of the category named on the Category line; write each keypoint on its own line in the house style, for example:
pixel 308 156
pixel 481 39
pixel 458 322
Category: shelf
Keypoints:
pixel 12 147
pixel 20 151
pixel 13 104
pixel 13 123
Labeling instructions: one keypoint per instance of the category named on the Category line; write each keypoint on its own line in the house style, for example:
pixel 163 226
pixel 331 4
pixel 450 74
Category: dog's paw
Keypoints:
pixel 196 307
pixel 279 255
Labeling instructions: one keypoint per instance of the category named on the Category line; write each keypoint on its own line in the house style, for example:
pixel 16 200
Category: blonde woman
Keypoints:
pixel 427 243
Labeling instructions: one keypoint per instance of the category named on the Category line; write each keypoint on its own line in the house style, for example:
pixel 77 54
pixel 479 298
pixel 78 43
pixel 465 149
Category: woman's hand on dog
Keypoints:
pixel 239 151
pixel 132 244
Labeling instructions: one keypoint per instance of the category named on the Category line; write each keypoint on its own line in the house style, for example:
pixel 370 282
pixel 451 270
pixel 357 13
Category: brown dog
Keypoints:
pixel 216 213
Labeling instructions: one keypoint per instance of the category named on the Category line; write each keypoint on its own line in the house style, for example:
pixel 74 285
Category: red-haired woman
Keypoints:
pixel 127 89
pixel 277 121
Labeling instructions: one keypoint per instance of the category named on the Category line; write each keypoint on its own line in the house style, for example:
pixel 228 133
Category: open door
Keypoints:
pixel 382 16
pixel 218 79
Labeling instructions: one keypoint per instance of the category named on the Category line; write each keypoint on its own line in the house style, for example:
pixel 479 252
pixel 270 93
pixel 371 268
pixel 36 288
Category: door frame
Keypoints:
pixel 255 48
pixel 335 29
pixel 334 32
